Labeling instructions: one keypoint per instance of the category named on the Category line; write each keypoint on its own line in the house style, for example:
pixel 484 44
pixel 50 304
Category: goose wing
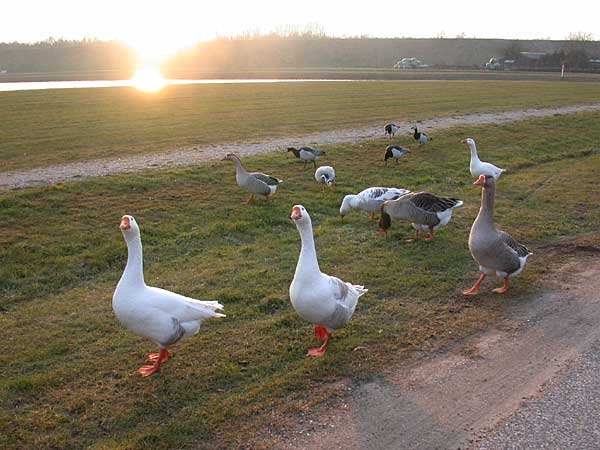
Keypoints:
pixel 432 203
pixel 346 297
pixel 183 308
pixel 268 179
pixel 511 242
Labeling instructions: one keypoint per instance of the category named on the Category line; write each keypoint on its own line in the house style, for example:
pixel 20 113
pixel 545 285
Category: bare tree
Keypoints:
pixel 580 36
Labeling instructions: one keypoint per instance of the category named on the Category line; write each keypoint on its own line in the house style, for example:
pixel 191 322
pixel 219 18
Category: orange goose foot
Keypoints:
pixel 503 289
pixel 430 236
pixel 475 289
pixel 320 352
pixel 146 371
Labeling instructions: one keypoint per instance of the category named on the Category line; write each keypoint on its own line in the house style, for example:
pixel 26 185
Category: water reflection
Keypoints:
pixel 37 85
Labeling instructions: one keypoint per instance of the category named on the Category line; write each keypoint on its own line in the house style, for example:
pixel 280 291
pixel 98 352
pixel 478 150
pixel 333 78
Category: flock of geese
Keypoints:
pixel 326 301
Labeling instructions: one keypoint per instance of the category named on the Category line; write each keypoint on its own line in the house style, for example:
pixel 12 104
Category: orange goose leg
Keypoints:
pixel 152 357
pixel 146 371
pixel 430 237
pixel 475 289
pixel 249 199
pixel 416 238
pixel 322 334
pixel 502 289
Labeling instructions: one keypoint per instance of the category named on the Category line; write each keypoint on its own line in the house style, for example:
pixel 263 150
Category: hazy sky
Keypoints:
pixel 163 26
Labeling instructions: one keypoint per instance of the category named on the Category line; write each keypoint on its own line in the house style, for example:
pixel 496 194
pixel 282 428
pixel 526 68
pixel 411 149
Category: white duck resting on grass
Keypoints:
pixel 370 199
pixel 323 300
pixel 479 167
pixel 159 315
pixel 325 176
pixel 496 252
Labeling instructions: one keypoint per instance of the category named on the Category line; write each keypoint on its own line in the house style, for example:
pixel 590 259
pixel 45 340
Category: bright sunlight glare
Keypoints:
pixel 148 79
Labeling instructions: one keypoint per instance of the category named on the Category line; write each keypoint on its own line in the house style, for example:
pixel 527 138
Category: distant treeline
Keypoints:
pixel 271 52
pixel 59 55
pixel 293 51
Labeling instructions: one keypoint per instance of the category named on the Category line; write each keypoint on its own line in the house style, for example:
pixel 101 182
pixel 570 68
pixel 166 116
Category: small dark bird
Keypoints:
pixel 396 152
pixel 421 137
pixel 391 129
pixel 307 154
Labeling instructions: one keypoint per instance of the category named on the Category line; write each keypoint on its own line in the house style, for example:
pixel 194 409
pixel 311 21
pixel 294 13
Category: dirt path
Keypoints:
pixel 457 399
pixel 190 156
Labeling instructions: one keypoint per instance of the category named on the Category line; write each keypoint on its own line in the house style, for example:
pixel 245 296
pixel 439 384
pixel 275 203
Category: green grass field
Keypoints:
pixel 68 368
pixel 40 128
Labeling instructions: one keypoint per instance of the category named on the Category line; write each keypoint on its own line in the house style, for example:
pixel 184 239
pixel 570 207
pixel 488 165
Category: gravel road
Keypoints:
pixel 565 417
pixel 196 155
pixel 531 383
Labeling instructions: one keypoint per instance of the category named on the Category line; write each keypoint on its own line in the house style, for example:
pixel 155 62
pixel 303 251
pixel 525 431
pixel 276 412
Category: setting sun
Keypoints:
pixel 148 79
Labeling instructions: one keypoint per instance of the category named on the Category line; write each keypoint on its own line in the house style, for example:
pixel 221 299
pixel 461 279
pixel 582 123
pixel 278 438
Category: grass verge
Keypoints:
pixel 41 128
pixel 68 376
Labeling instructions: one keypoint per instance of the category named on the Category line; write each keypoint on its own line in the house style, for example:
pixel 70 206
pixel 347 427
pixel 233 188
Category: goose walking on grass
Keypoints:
pixel 156 314
pixel 325 176
pixel 391 129
pixel 307 154
pixel 420 137
pixel 479 167
pixel 256 183
pixel 396 152
pixel 496 252
pixel 425 211
pixel 325 301
pixel 370 200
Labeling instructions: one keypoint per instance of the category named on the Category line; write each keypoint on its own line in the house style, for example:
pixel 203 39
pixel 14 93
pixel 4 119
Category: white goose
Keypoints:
pixel 323 300
pixel 370 199
pixel 479 167
pixel 159 315
pixel 325 176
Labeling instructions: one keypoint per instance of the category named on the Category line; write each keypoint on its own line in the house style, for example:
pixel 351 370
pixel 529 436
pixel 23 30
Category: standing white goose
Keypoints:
pixel 257 183
pixel 396 152
pixel 370 199
pixel 307 154
pixel 325 176
pixel 159 315
pixel 479 167
pixel 391 129
pixel 421 137
pixel 496 252
pixel 325 301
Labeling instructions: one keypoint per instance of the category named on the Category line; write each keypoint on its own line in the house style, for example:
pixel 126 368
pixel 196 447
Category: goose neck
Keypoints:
pixel 486 212
pixel 307 262
pixel 474 154
pixel 134 270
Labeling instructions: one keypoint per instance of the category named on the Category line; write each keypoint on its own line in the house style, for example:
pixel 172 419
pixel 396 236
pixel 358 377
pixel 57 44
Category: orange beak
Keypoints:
pixel 296 214
pixel 125 224
pixel 464 141
pixel 480 181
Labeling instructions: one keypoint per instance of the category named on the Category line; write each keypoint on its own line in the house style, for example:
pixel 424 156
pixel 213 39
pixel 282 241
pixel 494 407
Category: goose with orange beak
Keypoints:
pixel 156 314
pixel 325 301
pixel 496 252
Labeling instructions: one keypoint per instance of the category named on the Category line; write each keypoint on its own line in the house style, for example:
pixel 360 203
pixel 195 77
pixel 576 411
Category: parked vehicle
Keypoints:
pixel 410 63
pixel 499 63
